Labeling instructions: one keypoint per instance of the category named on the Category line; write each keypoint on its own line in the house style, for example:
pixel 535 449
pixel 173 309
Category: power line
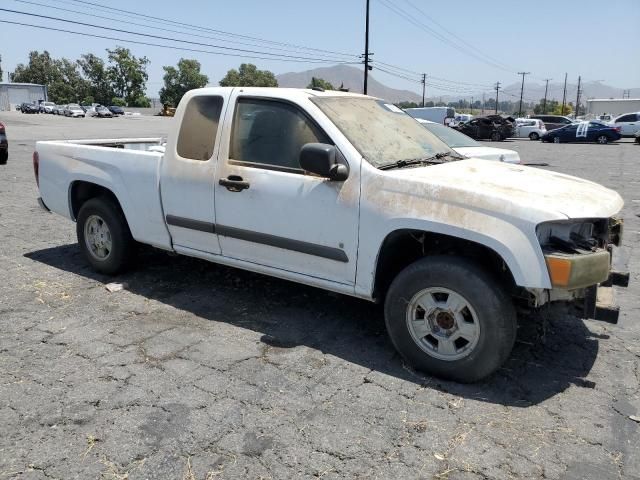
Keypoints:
pixel 461 40
pixel 217 37
pixel 172 47
pixel 407 16
pixel 159 37
pixel 201 28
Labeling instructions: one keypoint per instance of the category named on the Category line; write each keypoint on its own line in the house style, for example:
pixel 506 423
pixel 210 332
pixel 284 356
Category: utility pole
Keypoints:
pixel 521 92
pixel 424 86
pixel 564 95
pixel 546 89
pixel 483 102
pixel 497 89
pixel 366 51
pixel 578 98
pixel 471 106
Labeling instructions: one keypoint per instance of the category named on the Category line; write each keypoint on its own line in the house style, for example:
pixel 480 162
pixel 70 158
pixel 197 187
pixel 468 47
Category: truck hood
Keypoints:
pixel 513 189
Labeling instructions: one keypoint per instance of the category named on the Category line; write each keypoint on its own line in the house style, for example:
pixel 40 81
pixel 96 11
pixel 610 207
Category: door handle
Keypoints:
pixel 234 183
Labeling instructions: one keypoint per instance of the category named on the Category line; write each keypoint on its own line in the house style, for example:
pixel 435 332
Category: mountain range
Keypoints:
pixel 351 78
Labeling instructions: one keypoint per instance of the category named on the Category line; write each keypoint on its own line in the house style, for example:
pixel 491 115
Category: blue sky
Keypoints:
pixel 593 38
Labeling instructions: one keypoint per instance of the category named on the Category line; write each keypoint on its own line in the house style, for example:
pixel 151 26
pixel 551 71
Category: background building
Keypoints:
pixel 13 94
pixel 614 106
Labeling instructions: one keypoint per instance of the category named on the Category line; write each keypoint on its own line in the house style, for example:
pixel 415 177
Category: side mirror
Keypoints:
pixel 321 159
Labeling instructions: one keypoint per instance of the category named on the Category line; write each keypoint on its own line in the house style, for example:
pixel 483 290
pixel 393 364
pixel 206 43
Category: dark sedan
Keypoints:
pixel 495 128
pixel 116 110
pixel 29 108
pixel 4 145
pixel 593 131
pixel 102 112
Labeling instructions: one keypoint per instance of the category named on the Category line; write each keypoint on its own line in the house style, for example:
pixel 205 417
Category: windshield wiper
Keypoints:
pixel 432 160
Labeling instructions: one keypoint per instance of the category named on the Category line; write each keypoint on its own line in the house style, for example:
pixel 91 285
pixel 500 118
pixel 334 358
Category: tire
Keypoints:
pixel 433 282
pixel 534 136
pixel 4 156
pixel 496 137
pixel 110 250
pixel 556 139
pixel 602 139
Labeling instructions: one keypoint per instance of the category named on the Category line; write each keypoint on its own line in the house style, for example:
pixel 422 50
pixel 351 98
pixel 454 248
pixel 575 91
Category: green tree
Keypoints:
pixel 407 105
pixel 62 77
pixel 127 75
pixel 94 70
pixel 178 81
pixel 249 76
pixel 120 102
pixel 320 83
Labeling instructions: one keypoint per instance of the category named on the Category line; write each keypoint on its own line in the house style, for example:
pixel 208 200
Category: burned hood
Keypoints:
pixel 514 190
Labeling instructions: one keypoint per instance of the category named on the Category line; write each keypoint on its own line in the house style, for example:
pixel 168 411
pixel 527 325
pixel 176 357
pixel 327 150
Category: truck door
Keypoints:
pixel 188 173
pixel 271 212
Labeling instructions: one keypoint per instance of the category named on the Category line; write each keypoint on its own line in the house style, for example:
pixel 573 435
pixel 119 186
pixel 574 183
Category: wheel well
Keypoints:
pixel 81 191
pixel 403 247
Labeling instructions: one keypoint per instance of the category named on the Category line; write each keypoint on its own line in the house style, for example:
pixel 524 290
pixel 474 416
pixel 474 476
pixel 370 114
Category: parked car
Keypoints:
pixel 101 111
pixel 637 137
pixel 116 110
pixel 46 107
pixel 592 131
pixel 348 193
pixel 467 146
pixel 551 122
pixel 74 110
pixel 4 145
pixel 530 127
pixel 492 127
pixel 29 108
pixel 89 110
pixel 629 124
pixel 442 115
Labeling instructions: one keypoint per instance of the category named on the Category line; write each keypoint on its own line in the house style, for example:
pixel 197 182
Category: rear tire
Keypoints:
pixel 602 139
pixel 496 137
pixel 104 236
pixel 534 136
pixel 450 318
pixel 556 139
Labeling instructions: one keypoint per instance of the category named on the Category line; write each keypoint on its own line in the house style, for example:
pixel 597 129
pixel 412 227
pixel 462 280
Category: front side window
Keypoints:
pixel 450 136
pixel 627 118
pixel 272 133
pixel 199 127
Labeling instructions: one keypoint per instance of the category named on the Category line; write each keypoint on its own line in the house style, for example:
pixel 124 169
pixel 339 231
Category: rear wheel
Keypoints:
pixel 496 137
pixel 556 139
pixel 534 136
pixel 448 317
pixel 104 236
pixel 602 139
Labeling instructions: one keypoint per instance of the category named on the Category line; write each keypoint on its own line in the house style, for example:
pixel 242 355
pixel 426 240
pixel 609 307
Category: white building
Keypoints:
pixel 13 94
pixel 613 106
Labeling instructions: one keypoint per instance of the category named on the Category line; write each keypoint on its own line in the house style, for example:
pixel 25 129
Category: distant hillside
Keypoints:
pixel 351 78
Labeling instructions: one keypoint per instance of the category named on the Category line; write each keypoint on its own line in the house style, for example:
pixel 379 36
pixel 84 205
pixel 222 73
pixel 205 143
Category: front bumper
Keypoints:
pixel 599 303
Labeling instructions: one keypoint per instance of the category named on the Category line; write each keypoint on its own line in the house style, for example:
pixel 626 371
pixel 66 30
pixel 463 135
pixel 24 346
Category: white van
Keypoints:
pixel 441 115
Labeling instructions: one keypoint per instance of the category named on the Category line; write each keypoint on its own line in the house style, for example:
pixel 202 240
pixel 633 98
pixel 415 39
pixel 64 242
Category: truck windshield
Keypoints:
pixel 451 137
pixel 380 131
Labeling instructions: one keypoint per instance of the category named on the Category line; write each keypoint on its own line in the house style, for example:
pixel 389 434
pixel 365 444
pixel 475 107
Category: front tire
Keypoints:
pixel 496 137
pixel 104 236
pixel 556 139
pixel 534 136
pixel 602 139
pixel 448 317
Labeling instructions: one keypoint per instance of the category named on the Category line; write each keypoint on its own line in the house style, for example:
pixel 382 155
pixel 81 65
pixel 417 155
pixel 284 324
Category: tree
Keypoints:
pixel 128 75
pixel 62 77
pixel 1 72
pixel 249 76
pixel 95 72
pixel 320 83
pixel 404 105
pixel 178 81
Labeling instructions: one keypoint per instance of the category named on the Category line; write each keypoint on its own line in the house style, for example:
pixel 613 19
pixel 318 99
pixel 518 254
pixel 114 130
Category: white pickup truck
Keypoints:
pixel 348 193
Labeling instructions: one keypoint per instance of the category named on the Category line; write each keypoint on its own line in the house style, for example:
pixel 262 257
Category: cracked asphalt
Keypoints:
pixel 197 371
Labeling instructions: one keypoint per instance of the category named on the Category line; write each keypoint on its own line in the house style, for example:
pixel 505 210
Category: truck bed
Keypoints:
pixel 123 165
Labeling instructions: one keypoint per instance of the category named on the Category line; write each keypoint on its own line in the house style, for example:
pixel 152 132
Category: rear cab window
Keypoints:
pixel 199 127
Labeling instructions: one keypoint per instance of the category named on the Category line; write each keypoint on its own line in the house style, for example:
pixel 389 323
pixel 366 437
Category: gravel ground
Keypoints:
pixel 198 371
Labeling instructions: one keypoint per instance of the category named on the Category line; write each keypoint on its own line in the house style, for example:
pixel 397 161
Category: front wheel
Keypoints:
pixel 104 236
pixel 534 136
pixel 448 317
pixel 556 139
pixel 602 139
pixel 496 137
